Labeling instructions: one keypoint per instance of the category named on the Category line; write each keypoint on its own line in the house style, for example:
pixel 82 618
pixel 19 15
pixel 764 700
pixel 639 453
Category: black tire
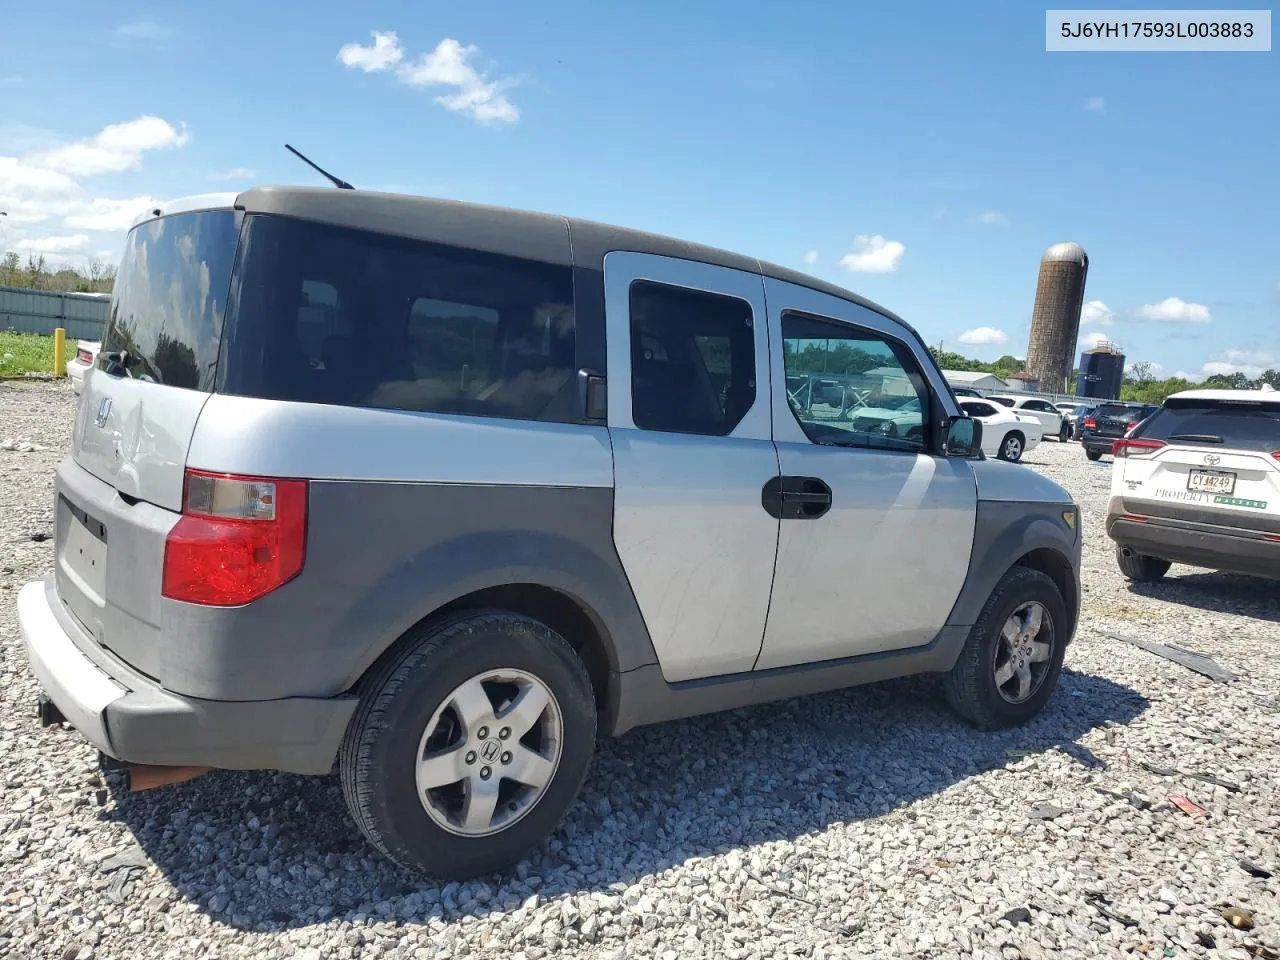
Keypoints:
pixel 1064 432
pixel 1007 450
pixel 1093 454
pixel 378 758
pixel 1140 568
pixel 970 686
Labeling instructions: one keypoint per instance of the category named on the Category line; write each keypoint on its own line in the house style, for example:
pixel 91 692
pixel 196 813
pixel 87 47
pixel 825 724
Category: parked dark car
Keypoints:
pixel 1109 422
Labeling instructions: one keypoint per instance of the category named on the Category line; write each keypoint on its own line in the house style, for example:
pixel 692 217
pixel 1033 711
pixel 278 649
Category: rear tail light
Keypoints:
pixel 1131 447
pixel 84 356
pixel 239 538
pixel 1089 422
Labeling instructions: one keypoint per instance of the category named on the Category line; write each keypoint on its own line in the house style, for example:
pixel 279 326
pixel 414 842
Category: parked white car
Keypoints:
pixel 1005 434
pixel 1051 419
pixel 1198 482
pixel 82 362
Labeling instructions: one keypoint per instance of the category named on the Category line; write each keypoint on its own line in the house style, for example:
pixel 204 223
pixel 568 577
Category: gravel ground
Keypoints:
pixel 864 823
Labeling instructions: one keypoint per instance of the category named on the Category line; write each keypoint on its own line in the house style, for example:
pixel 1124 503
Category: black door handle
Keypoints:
pixel 795 498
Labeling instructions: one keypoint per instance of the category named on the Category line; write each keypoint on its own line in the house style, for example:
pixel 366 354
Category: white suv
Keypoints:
pixel 1199 483
pixel 1052 422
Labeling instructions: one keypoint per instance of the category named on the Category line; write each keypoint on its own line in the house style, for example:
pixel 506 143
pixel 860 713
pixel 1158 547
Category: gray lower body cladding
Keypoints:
pixel 1189 535
pixel 380 558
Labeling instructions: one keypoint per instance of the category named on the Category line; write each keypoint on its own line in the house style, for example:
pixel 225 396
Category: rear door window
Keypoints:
pixel 1231 426
pixel 334 315
pixel 170 297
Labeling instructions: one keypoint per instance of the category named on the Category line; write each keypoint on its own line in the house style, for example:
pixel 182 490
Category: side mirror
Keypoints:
pixel 964 437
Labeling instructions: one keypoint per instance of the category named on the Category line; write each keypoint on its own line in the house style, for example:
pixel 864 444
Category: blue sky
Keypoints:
pixel 923 155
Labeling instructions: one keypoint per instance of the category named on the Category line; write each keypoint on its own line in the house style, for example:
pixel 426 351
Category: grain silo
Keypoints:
pixel 1055 318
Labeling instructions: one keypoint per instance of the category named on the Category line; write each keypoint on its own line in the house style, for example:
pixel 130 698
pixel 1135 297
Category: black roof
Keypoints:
pixel 539 236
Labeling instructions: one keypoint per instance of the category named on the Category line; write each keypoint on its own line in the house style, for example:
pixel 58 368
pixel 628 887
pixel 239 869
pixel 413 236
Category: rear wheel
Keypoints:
pixel 1093 454
pixel 468 748
pixel 1011 661
pixel 1064 432
pixel 1139 567
pixel 1011 447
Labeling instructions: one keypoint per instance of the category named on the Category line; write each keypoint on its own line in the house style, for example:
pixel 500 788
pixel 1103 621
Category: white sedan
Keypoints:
pixel 1051 419
pixel 82 362
pixel 1005 434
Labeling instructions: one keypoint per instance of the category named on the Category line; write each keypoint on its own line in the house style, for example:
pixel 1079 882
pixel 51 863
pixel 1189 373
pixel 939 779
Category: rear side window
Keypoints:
pixel 1003 401
pixel 170 297
pixel 978 409
pixel 1232 426
pixel 331 315
pixel 692 360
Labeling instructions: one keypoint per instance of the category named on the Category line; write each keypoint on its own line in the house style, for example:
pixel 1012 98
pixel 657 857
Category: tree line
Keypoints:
pixel 1140 385
pixel 36 273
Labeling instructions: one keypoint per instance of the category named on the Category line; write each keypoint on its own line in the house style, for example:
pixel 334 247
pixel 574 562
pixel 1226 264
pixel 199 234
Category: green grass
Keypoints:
pixel 22 353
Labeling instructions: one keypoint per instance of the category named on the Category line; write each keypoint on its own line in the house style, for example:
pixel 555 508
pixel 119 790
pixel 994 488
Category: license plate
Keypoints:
pixel 1212 481
pixel 84 554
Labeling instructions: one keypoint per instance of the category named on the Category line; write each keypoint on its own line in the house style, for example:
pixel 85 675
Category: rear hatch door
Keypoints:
pixel 134 424
pixel 1221 458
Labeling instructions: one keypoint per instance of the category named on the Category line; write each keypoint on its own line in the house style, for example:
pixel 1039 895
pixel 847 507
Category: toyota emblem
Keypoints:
pixel 1212 459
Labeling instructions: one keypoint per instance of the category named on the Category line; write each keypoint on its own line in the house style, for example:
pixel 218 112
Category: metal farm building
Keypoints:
pixel 82 315
pixel 1055 318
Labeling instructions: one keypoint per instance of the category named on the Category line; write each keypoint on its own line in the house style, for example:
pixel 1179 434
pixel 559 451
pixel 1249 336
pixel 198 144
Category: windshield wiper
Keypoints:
pixel 1195 438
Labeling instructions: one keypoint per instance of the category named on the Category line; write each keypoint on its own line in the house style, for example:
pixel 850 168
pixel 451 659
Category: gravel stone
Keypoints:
pixel 863 823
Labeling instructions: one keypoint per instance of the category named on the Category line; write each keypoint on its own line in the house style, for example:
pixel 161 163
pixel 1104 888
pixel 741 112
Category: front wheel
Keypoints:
pixel 469 747
pixel 1011 661
pixel 1064 432
pixel 1139 567
pixel 1093 454
pixel 1011 447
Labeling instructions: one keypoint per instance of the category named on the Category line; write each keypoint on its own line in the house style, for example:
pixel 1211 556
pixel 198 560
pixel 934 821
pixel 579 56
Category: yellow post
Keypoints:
pixel 59 352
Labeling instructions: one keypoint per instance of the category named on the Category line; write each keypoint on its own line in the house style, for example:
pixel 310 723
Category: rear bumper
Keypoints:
pixel 131 718
pixel 1198 545
pixel 1097 444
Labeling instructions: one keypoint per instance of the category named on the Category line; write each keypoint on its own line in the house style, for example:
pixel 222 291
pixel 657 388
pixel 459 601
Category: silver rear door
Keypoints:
pixel 688 393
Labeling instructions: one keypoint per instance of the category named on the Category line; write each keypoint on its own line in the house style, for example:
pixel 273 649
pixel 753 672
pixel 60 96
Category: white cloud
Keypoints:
pixel 1252 363
pixel 993 218
pixel 873 254
pixel 1185 375
pixel 384 54
pixel 109 215
pixel 117 148
pixel 46 185
pixel 1096 104
pixel 811 257
pixel 1093 338
pixel 450 64
pixel 1096 312
pixel 144 30
pixel 53 244
pixel 1177 310
pixel 235 173
pixel 984 335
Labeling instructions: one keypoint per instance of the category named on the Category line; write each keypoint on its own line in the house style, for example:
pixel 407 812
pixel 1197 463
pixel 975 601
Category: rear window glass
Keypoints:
pixel 1120 411
pixel 1232 426
pixel 170 295
pixel 331 315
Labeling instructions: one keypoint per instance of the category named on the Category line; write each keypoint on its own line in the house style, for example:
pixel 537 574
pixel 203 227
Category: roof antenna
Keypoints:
pixel 336 181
